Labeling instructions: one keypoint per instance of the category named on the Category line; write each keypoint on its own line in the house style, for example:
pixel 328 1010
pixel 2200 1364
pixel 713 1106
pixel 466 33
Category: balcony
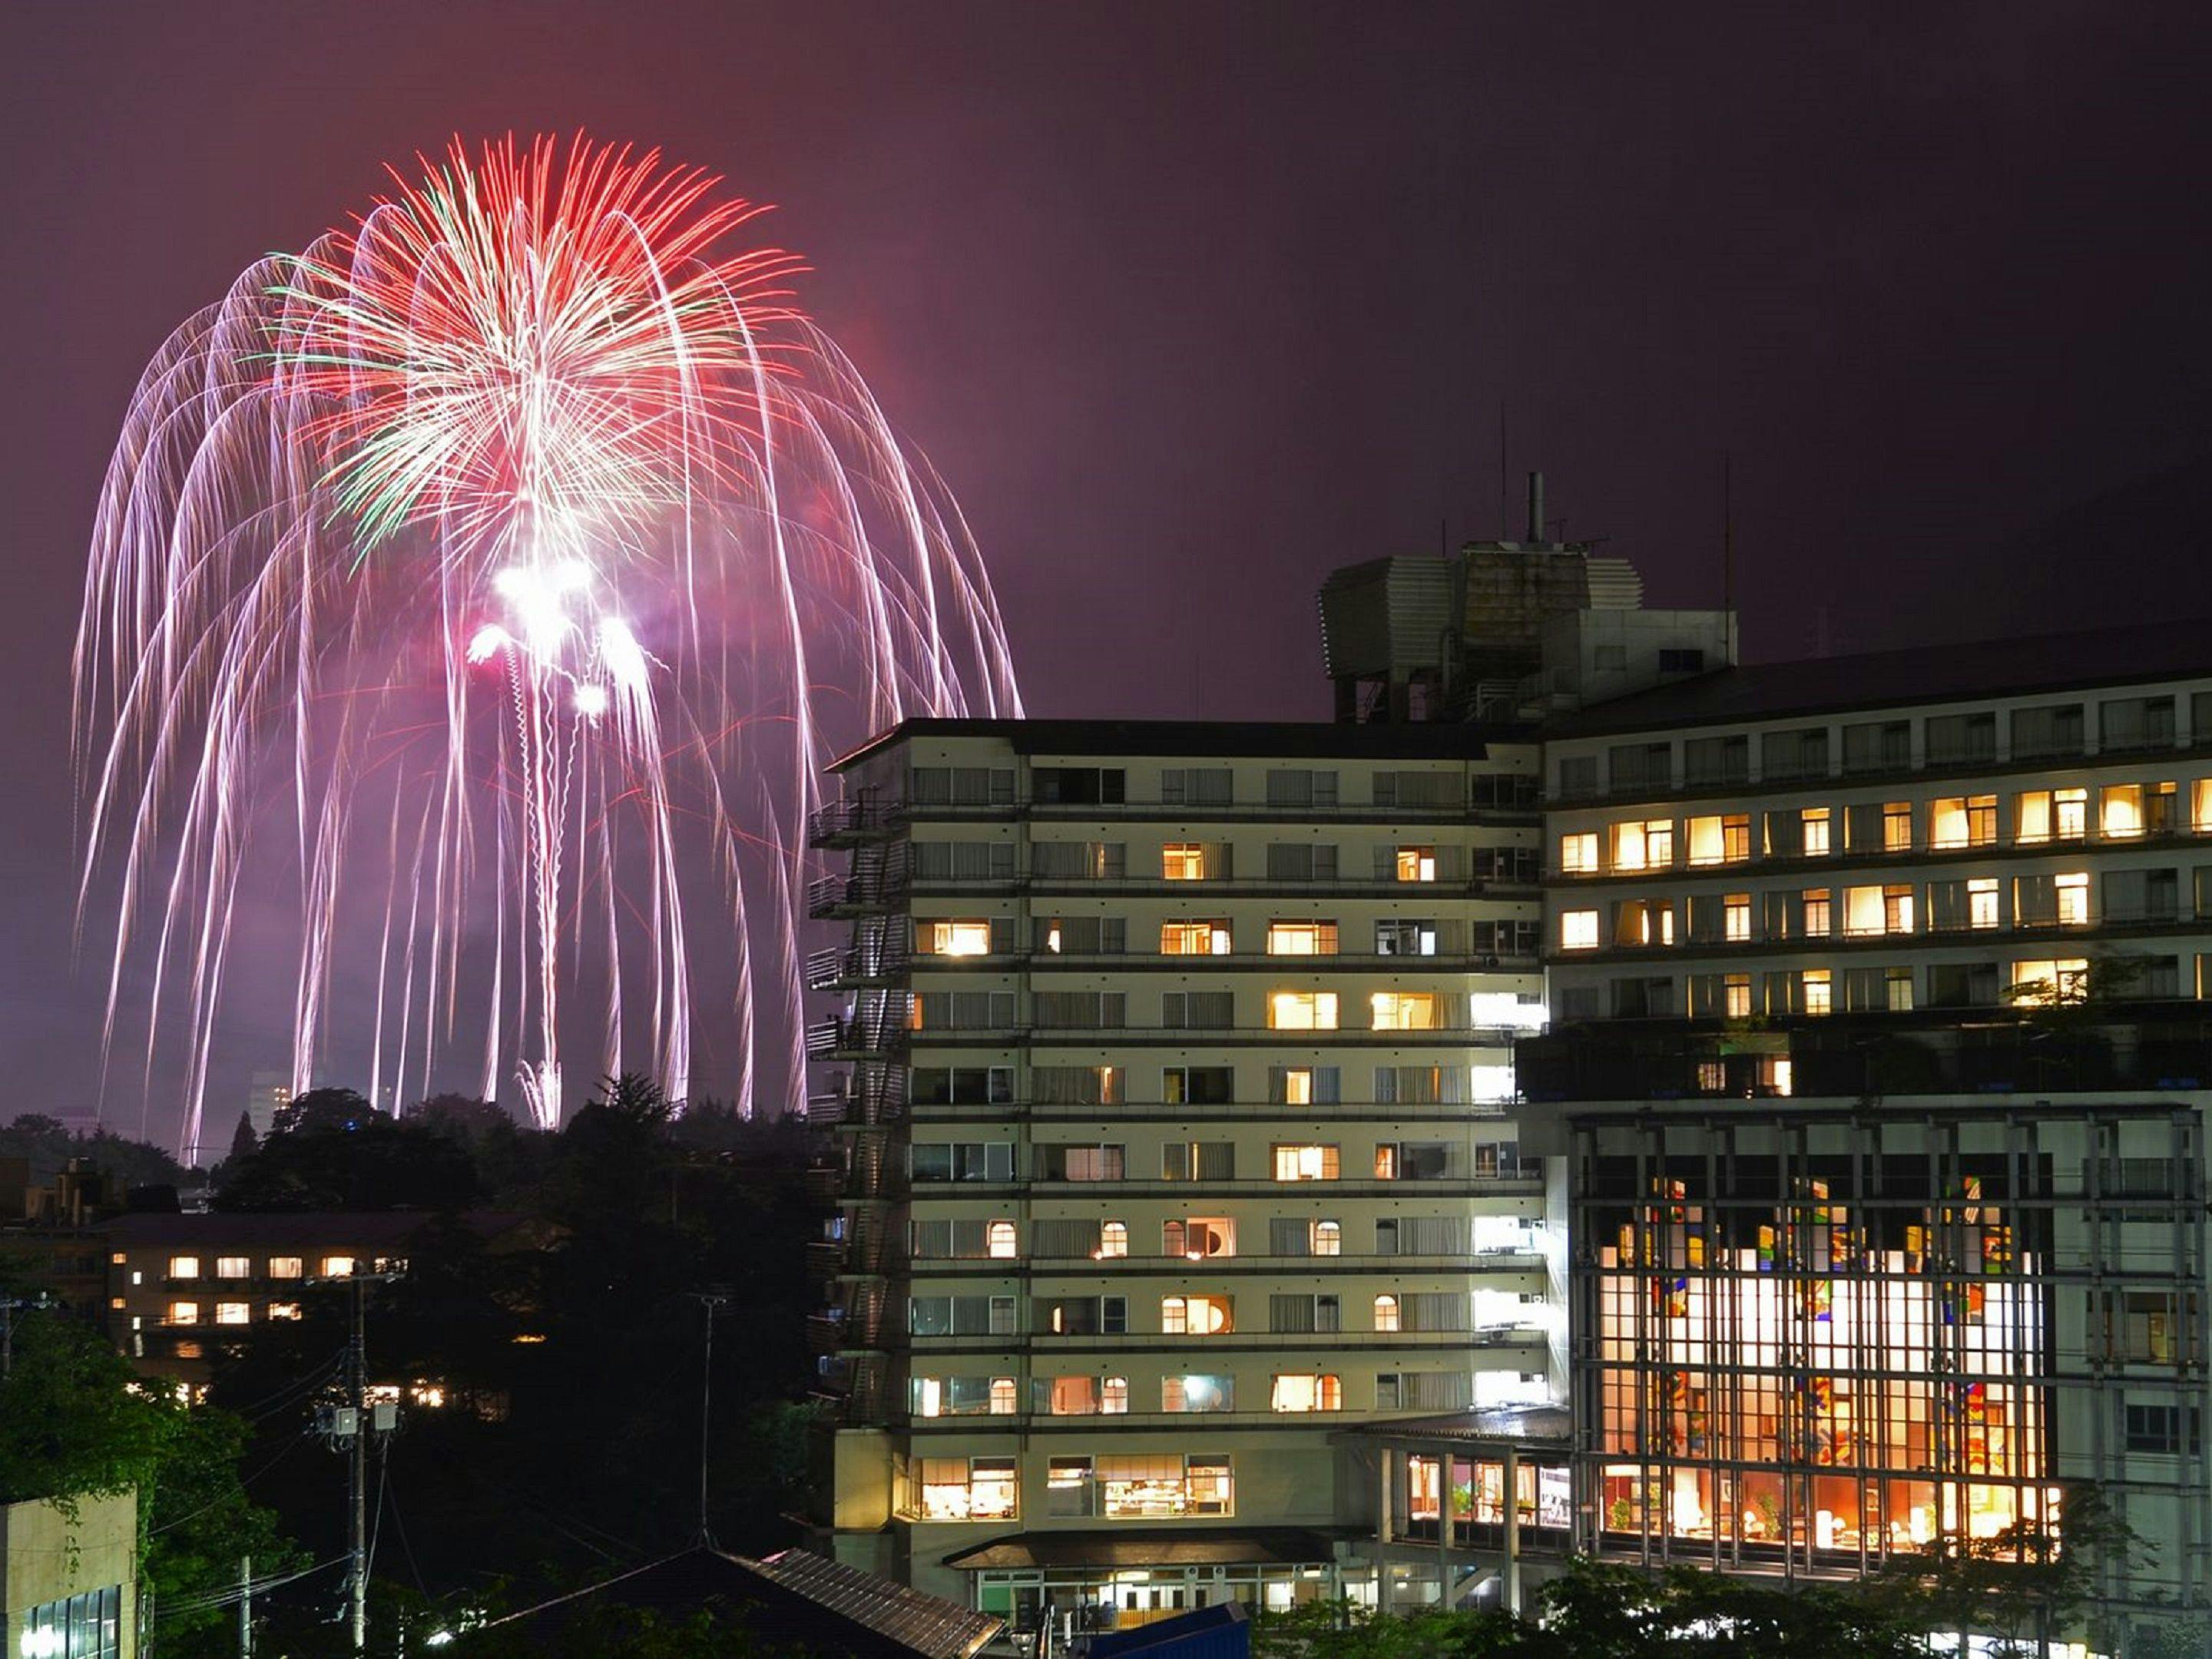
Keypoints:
pixel 848 967
pixel 823 1183
pixel 848 822
pixel 854 1039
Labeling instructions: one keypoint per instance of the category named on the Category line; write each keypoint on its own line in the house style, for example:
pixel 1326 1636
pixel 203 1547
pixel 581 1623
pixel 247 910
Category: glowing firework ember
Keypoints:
pixel 500 572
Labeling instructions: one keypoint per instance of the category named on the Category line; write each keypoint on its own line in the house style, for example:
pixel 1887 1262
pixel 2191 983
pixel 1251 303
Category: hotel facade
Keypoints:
pixel 1170 1075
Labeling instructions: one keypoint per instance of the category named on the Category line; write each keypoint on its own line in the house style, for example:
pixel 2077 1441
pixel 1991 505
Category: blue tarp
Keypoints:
pixel 1215 1632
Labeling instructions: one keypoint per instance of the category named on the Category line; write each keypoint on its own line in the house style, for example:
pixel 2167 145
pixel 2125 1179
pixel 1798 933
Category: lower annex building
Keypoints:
pixel 1878 1071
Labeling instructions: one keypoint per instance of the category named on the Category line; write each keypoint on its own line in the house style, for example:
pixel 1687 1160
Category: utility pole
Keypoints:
pixel 350 1425
pixel 710 1304
pixel 357 1533
pixel 245 1606
pixel 8 1304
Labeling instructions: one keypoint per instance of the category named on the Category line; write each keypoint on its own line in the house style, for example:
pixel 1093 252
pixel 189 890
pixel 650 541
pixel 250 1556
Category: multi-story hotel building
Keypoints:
pixel 1880 1068
pixel 1170 1072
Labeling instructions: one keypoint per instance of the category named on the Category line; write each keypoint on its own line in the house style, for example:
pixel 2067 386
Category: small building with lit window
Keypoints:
pixel 1169 1070
pixel 180 1285
pixel 1878 1074
pixel 68 1578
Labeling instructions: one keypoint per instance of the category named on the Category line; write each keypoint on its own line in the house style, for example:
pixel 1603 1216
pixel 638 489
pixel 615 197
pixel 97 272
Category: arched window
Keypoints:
pixel 1386 1313
pixel 1001 1237
pixel 1114 1396
pixel 1002 1396
pixel 1173 1314
pixel 1327 1238
pixel 1112 1239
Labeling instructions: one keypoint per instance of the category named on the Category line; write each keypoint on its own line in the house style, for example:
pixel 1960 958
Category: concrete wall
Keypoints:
pixel 44 1557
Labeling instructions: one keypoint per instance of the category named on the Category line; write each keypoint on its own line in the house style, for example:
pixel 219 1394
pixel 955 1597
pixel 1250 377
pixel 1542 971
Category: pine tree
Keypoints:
pixel 243 1141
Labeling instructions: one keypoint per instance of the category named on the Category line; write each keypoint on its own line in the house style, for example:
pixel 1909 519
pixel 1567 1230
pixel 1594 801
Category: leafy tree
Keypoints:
pixel 1597 1611
pixel 49 1147
pixel 325 1109
pixel 74 1423
pixel 377 1164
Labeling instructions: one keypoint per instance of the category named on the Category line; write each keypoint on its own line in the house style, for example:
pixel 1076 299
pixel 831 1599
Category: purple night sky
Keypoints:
pixel 1190 303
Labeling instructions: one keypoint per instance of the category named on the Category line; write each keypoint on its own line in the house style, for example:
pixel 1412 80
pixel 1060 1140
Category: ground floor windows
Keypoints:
pixel 87 1626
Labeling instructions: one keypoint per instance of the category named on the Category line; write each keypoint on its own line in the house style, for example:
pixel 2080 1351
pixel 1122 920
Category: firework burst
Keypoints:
pixel 501 570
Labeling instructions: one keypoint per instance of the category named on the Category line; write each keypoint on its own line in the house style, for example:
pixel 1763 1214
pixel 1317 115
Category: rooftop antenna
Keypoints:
pixel 1505 491
pixel 1728 533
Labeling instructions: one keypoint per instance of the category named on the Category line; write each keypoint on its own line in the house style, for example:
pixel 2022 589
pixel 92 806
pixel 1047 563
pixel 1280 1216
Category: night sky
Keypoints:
pixel 1190 303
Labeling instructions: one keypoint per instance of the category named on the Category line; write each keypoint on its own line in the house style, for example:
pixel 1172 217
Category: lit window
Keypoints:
pixel 184 1266
pixel 1735 838
pixel 1302 1011
pixel 118 1259
pixel 2121 816
pixel 1309 1392
pixel 115 1303
pixel 1112 1239
pixel 1736 993
pixel 1298 1086
pixel 1416 864
pixel 1002 1396
pixel 286 1267
pixel 1705 840
pixel 1195 1316
pixel 234 1267
pixel 1898 983
pixel 1648 845
pixel 1816 831
pixel 1403 1010
pixel 1946 822
pixel 1578 853
pixel 338 1267
pixel 1819 992
pixel 1327 1238
pixel 1735 917
pixel 1862 911
pixel 1896 826
pixel 2043 984
pixel 2200 803
pixel 2073 893
pixel 1386 1313
pixel 183 1313
pixel 2031 816
pixel 1193 938
pixel 1114 1396
pixel 966 1488
pixel 1818 921
pixel 1000 1237
pixel 231 1313
pixel 1302 938
pixel 284 1310
pixel 1198 1394
pixel 1896 907
pixel 2069 812
pixel 960 938
pixel 1152 1485
pixel 1183 860
pixel 1579 930
pixel 1305 1163
pixel 1982 901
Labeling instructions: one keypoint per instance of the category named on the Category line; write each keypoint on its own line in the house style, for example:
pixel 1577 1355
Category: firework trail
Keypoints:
pixel 496 575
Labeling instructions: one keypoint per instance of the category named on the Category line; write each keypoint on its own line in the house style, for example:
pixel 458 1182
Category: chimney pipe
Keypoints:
pixel 1536 507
